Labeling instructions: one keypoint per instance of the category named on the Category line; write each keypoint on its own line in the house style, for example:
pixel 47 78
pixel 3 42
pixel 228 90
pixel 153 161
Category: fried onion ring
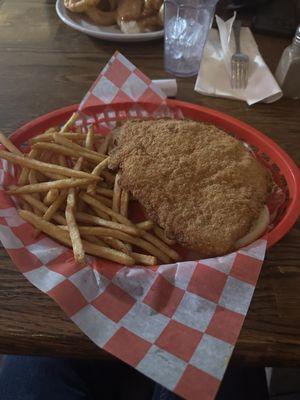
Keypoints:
pixel 104 18
pixel 146 24
pixel 80 6
pixel 113 4
pixel 161 15
pixel 108 5
pixel 153 5
pixel 129 10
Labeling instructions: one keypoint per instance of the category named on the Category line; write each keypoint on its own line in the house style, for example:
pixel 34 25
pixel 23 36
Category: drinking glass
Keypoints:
pixel 187 23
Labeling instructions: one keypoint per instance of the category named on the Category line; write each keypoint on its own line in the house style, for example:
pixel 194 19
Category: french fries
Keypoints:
pixel 54 207
pixel 107 202
pixel 109 177
pixel 71 221
pixel 70 122
pixel 32 177
pixel 100 167
pixel 117 195
pixel 67 151
pixel 33 180
pixel 63 236
pixel 94 239
pixel 23 178
pixel 145 225
pixel 123 206
pixel 124 201
pixel 73 228
pixel 29 199
pixel 97 204
pixel 103 146
pixel 91 219
pixel 107 232
pixel 53 193
pixel 161 235
pixel 67 192
pixel 101 214
pixel 62 160
pixel 96 172
pixel 25 206
pixel 47 137
pixel 45 186
pixel 143 259
pixel 105 192
pixel 51 196
pixel 89 141
pixel 160 245
pixel 116 244
pixel 9 145
pixel 41 166
pixel 53 176
pixel 60 139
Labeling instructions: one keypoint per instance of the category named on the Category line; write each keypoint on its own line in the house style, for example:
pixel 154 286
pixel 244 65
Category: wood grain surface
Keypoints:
pixel 45 65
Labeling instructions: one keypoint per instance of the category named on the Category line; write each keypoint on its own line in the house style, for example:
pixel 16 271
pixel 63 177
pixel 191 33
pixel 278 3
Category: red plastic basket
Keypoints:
pixel 284 170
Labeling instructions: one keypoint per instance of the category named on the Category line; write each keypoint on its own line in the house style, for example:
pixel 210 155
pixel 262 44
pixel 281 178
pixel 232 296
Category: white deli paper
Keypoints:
pixel 214 74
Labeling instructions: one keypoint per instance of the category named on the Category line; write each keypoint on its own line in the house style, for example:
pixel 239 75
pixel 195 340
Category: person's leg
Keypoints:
pixel 161 393
pixel 243 383
pixel 237 384
pixel 40 378
pixel 114 380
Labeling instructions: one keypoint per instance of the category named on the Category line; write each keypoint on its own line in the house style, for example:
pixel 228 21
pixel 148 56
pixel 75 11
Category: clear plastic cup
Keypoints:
pixel 187 23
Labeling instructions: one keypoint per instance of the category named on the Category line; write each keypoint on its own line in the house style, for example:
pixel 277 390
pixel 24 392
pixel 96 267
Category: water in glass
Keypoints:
pixel 186 27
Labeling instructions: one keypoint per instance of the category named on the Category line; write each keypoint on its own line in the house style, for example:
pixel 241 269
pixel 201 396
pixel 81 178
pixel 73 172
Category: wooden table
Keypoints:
pixel 45 65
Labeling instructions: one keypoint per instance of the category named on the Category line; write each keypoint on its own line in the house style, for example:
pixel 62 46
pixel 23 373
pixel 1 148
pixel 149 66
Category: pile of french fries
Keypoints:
pixel 66 191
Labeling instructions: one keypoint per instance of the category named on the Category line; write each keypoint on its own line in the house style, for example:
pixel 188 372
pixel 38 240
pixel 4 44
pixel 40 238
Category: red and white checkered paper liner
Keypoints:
pixel 176 323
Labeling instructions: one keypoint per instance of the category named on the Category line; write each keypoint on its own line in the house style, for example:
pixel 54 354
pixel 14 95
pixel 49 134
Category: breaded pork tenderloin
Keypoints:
pixel 197 182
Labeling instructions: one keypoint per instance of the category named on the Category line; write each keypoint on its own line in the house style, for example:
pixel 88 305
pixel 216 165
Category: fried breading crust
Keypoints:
pixel 197 182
